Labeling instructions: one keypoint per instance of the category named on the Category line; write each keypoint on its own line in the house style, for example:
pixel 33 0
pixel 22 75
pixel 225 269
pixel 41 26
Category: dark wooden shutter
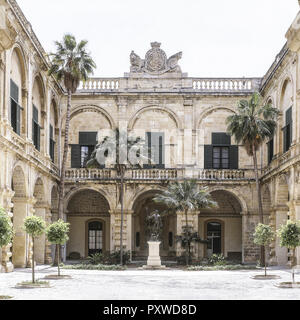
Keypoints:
pixel 270 145
pixel 155 149
pixel 234 157
pixel 221 139
pixel 88 138
pixel 38 138
pixel 14 91
pixel 284 130
pixel 208 157
pixel 288 116
pixel 75 156
pixel 18 119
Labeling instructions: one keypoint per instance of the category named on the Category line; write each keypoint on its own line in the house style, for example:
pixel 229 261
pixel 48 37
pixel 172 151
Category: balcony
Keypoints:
pixel 76 175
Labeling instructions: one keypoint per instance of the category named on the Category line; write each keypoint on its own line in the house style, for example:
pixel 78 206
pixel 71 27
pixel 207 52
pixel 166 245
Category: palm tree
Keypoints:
pixel 120 145
pixel 252 125
pixel 183 197
pixel 70 64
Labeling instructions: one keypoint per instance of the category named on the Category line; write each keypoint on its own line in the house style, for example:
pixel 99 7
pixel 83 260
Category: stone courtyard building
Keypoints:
pixel 181 118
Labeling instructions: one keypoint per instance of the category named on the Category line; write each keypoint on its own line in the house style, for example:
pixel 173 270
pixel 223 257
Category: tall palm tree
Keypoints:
pixel 252 125
pixel 120 145
pixel 70 64
pixel 183 197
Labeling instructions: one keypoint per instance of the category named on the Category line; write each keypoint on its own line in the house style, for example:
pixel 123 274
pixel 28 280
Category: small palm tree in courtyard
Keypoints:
pixel 184 197
pixel 70 64
pixel 252 125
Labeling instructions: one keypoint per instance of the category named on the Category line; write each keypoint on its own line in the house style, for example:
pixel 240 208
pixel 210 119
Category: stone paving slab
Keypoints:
pixel 136 284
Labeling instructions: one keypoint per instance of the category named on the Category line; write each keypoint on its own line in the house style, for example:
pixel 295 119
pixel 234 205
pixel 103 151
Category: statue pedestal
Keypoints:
pixel 154 261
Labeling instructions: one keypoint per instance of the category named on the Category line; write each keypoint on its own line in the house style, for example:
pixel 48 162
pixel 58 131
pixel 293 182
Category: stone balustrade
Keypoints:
pixel 153 174
pixel 205 85
pixel 100 84
pixel 225 174
pixel 226 85
pixel 159 174
pixel 88 174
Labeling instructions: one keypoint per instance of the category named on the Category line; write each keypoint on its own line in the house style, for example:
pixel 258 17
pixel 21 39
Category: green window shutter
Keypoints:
pixel 208 157
pixel 234 157
pixel 14 91
pixel 221 139
pixel 75 156
pixel 13 114
pixel 88 138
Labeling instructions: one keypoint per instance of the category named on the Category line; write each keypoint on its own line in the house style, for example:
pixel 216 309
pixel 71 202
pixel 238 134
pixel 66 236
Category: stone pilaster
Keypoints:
pixel 115 225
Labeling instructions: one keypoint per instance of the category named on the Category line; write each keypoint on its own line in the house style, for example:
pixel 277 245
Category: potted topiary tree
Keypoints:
pixel 289 235
pixel 57 233
pixel 263 236
pixel 35 226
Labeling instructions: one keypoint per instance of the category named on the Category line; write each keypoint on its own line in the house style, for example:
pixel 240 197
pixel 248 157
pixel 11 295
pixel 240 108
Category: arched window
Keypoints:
pixel 95 237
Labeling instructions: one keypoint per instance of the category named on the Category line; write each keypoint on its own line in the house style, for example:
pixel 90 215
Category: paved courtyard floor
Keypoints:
pixel 150 285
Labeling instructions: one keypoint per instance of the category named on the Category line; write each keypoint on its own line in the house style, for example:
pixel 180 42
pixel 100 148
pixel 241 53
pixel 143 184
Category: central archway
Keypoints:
pixel 143 206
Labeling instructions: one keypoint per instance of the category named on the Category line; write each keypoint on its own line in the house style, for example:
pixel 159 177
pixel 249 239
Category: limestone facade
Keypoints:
pixel 187 114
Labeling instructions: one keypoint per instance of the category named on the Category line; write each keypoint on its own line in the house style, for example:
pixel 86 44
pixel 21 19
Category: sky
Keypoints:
pixel 218 38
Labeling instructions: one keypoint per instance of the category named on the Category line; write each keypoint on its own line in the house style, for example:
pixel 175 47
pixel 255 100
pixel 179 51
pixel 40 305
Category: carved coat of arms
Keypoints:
pixel 156 61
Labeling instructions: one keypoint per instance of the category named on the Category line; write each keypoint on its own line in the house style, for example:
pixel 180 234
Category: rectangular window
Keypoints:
pixel 15 108
pixel 36 129
pixel 221 154
pixel 81 153
pixel 221 157
pixel 155 150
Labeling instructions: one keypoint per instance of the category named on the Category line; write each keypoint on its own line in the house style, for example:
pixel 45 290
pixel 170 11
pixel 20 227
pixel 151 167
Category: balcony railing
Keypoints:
pixel 160 174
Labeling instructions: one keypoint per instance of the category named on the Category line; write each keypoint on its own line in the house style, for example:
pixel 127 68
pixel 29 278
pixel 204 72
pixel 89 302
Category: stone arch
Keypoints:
pixel 102 192
pixel 83 205
pixel 237 194
pixel 211 110
pixel 92 108
pixel 18 49
pixel 166 110
pixel 288 79
pixel 142 206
